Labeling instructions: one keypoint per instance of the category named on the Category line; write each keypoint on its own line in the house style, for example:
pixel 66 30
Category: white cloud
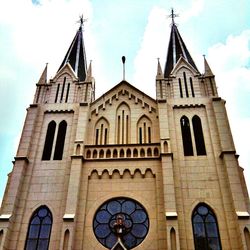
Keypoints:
pixel 230 64
pixel 153 46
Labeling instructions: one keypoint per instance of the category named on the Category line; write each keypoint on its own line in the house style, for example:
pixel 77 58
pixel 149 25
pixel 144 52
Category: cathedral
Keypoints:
pixel 125 170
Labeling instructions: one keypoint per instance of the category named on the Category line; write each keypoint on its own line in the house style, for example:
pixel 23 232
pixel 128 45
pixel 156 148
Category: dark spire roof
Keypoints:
pixel 76 56
pixel 176 49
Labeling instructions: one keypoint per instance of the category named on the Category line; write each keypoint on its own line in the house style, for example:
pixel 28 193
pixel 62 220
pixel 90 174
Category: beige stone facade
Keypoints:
pixel 137 153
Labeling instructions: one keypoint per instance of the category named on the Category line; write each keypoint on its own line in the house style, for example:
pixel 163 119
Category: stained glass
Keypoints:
pixel 121 217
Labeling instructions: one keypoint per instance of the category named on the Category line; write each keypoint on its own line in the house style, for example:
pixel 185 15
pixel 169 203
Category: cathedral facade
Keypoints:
pixel 126 171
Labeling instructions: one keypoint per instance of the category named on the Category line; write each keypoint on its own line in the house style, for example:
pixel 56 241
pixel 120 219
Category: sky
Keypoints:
pixel 36 32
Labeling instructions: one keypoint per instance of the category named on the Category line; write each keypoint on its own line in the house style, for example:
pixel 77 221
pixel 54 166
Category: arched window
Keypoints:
pixel 144 125
pixel 123 124
pixel 49 141
pixel 205 228
pixel 39 230
pixel 198 136
pixel 101 132
pixel 186 136
pixel 60 140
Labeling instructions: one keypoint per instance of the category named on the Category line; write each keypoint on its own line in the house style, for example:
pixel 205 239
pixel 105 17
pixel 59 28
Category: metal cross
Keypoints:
pixel 173 15
pixel 82 20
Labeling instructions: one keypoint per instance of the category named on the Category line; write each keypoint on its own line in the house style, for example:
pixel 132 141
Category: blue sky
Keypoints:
pixel 38 32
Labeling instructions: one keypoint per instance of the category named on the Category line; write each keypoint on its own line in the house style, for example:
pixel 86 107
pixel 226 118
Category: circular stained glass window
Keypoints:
pixel 121 218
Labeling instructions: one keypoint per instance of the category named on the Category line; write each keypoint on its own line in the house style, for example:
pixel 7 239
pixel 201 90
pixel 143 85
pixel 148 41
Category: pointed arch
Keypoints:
pixel 108 153
pixel 88 155
pixel 173 239
pixel 149 152
pixel 66 240
pixel 101 131
pixel 135 153
pixel 186 136
pixel 198 136
pixel 39 229
pixel 128 153
pixel 247 237
pixel 121 153
pixel 142 152
pixel 49 139
pixel 205 228
pixel 123 124
pixel 144 128
pixel 58 154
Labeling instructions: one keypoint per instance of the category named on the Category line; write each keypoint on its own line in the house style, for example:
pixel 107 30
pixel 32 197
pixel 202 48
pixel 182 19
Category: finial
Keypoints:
pixel 173 15
pixel 82 21
pixel 123 62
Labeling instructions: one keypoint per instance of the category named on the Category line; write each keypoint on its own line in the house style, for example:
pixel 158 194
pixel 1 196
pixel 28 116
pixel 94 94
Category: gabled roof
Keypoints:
pixel 128 87
pixel 176 49
pixel 76 56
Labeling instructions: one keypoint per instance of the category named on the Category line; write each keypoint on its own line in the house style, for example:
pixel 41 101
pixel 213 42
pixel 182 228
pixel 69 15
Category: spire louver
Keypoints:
pixel 176 49
pixel 76 56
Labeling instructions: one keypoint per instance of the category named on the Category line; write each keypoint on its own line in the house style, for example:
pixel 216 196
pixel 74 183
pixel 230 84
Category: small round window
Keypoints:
pixel 121 219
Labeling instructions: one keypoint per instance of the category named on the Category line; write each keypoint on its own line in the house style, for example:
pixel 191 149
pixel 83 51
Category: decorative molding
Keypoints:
pixel 21 158
pixel 84 104
pixel 69 217
pixel 242 214
pixel 59 111
pixel 171 215
pixel 5 217
pixel 33 105
pixel 228 152
pixel 189 106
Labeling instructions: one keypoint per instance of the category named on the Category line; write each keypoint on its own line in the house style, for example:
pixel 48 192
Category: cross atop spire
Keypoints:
pixel 82 21
pixel 173 15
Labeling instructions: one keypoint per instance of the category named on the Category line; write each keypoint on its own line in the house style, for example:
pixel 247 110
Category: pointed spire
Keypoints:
pixel 207 70
pixel 43 78
pixel 176 49
pixel 89 72
pixel 159 70
pixel 76 55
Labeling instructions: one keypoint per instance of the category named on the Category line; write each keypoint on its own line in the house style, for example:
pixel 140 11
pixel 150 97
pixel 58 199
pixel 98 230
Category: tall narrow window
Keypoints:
pixel 149 135
pixel 192 87
pixel 39 230
pixel 57 91
pixel 60 140
pixel 180 88
pixel 49 141
pixel 186 136
pixel 66 240
pixel 123 124
pixel 198 136
pixel 105 136
pixel 140 135
pixel 205 229
pixel 67 94
pixel 247 237
pixel 185 82
pixel 96 136
pixel 118 133
pixel 64 81
pixel 173 239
